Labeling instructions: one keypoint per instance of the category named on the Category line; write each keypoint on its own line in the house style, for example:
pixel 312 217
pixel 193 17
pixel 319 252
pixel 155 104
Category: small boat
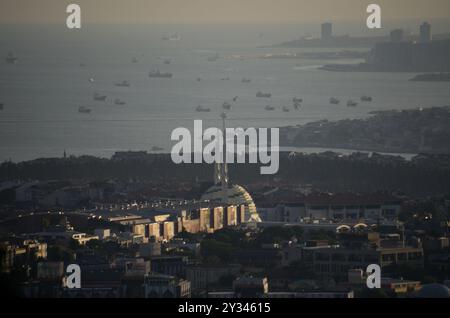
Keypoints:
pixel 167 62
pixel 84 110
pixel 11 59
pixel 246 80
pixel 225 79
pixel 123 84
pixel 199 79
pixel 297 105
pixel 173 37
pixel 286 109
pixel 118 101
pixel 2 106
pixel 202 109
pixel 91 80
pixel 235 98
pixel 263 95
pixel 156 148
pixel 351 103
pixel 296 100
pixel 158 74
pixel 134 60
pixel 268 107
pixel 366 98
pixel 99 98
pixel 226 106
pixel 334 101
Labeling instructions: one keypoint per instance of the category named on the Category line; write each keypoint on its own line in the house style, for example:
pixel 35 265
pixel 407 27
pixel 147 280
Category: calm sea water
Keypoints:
pixel 42 92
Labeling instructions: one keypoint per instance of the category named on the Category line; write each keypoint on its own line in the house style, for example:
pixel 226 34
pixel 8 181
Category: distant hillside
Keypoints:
pixel 408 131
pixel 423 175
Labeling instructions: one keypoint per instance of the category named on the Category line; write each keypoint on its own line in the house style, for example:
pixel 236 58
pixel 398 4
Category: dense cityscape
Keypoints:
pixel 352 190
pixel 407 131
pixel 280 241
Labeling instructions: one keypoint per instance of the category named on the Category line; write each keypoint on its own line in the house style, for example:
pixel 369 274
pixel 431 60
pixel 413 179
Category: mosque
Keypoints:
pixel 225 193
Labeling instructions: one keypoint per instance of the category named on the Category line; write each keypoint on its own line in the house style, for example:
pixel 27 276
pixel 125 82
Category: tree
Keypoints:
pixel 191 237
pixel 59 253
pixel 278 234
pixel 322 234
pixel 74 245
pixel 94 244
pixel 223 251
pixel 299 270
pixel 226 280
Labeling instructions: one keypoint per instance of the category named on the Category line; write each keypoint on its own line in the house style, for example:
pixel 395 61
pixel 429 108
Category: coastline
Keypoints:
pixel 424 131
pixel 346 151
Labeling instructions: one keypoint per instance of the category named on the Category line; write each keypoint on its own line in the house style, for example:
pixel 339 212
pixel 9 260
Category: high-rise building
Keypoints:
pixel 217 218
pixel 326 31
pixel 230 216
pixel 241 214
pixel 204 219
pixel 425 33
pixel 153 231
pixel 168 230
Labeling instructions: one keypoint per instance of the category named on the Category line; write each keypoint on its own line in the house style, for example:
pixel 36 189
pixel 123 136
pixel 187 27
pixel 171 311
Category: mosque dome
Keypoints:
pixel 236 195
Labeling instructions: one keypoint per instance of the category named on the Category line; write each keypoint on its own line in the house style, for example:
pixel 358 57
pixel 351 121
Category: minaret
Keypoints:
pixel 221 169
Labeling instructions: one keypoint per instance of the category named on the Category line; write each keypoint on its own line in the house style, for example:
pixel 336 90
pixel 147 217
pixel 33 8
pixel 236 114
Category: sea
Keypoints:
pixel 59 70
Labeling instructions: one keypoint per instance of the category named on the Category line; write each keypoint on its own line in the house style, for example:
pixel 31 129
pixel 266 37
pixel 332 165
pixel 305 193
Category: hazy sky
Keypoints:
pixel 221 11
